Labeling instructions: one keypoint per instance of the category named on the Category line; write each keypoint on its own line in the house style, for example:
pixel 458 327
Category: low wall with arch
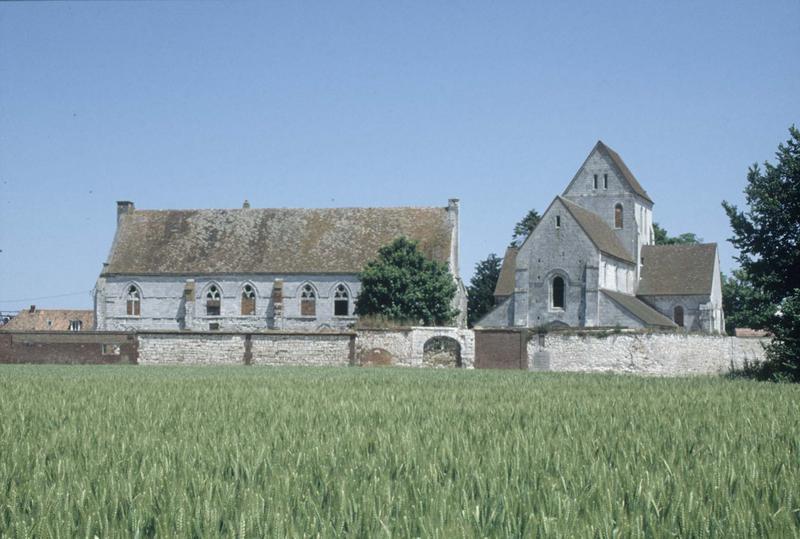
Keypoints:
pixel 407 347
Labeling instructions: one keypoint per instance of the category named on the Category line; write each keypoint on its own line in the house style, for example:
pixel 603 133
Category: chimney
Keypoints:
pixel 32 309
pixel 246 205
pixel 123 207
pixel 452 214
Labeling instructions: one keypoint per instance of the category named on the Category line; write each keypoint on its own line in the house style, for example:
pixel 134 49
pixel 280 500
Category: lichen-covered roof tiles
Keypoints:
pixel 331 240
pixel 677 269
pixel 598 231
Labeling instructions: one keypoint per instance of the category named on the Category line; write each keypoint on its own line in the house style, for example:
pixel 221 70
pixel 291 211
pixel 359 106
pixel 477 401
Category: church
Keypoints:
pixel 592 262
pixel 253 269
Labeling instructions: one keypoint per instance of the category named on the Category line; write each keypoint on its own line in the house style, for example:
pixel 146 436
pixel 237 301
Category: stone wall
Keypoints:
pixel 191 348
pixel 332 349
pixel 83 347
pixel 406 346
pixel 667 354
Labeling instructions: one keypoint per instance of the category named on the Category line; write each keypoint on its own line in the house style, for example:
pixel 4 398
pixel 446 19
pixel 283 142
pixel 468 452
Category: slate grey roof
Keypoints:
pixel 626 172
pixel 59 319
pixel 671 270
pixel 639 309
pixel 598 231
pixel 506 281
pixel 334 240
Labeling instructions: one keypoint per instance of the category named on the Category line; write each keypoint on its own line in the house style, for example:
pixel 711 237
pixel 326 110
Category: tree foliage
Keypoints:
pixel 481 288
pixel 662 238
pixel 743 304
pixel 767 235
pixel 525 226
pixel 403 285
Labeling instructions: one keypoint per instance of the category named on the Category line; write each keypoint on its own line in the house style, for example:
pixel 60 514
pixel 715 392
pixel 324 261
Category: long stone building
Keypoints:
pixel 248 269
pixel 592 262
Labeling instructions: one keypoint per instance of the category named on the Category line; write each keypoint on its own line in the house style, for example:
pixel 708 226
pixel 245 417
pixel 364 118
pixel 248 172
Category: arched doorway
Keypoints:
pixel 441 352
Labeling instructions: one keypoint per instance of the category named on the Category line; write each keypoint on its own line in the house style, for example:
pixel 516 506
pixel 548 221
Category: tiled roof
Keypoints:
pixel 598 231
pixel 335 240
pixel 639 309
pixel 677 269
pixel 507 278
pixel 49 320
pixel 626 172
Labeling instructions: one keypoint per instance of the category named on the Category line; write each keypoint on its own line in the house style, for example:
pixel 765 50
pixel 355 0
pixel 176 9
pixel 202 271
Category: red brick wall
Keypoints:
pixel 67 347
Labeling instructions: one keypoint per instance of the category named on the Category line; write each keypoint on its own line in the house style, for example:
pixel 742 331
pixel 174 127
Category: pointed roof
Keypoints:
pixel 280 240
pixel 507 278
pixel 639 309
pixel 678 270
pixel 598 231
pixel 623 168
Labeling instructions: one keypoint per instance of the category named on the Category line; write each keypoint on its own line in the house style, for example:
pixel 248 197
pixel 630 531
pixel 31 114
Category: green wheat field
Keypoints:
pixel 304 452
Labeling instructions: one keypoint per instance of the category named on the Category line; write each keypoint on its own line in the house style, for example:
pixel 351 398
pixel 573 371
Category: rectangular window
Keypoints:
pixel 558 221
pixel 308 307
pixel 605 181
pixel 110 350
pixel 340 307
pixel 595 181
pixel 248 306
pixel 212 307
pixel 75 325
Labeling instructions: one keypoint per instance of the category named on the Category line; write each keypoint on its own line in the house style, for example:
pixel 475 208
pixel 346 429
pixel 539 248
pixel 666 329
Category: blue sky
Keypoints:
pixel 204 104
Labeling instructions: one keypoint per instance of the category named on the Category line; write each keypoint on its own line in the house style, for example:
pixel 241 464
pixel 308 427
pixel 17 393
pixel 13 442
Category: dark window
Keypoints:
pixel 605 181
pixel 134 302
pixel 558 293
pixel 595 181
pixel 558 221
pixel 618 216
pixel 75 325
pixel 677 315
pixel 213 300
pixel 308 301
pixel 248 301
pixel 341 301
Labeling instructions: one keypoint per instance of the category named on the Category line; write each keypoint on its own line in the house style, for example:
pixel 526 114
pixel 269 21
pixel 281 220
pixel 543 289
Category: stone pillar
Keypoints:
pixel 188 304
pixel 277 305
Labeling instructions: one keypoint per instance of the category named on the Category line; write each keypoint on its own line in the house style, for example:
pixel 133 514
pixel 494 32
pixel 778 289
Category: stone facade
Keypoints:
pixel 210 270
pixel 406 347
pixel 584 265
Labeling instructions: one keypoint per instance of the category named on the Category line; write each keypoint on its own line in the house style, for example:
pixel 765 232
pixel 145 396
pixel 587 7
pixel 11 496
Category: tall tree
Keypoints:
pixel 525 226
pixel 662 238
pixel 403 285
pixel 481 288
pixel 742 303
pixel 768 238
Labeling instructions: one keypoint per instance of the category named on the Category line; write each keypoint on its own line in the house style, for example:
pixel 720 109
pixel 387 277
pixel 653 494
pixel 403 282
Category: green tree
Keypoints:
pixel 662 238
pixel 767 236
pixel 743 304
pixel 525 226
pixel 481 288
pixel 403 285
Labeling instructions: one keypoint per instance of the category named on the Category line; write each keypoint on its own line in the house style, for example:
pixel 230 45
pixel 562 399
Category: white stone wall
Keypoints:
pixel 301 349
pixel 191 349
pixel 647 353
pixel 407 345
pixel 163 308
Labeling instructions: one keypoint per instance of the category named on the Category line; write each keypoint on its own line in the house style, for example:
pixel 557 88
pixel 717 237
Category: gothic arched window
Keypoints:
pixel 308 301
pixel 213 300
pixel 618 216
pixel 557 293
pixel 341 301
pixel 248 300
pixel 134 303
pixel 677 315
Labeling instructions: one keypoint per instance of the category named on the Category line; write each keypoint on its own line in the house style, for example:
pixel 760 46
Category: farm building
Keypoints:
pixel 34 319
pixel 250 268
pixel 592 262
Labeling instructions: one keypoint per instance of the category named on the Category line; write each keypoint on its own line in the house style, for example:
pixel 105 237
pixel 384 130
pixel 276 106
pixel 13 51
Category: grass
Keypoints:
pixel 133 451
